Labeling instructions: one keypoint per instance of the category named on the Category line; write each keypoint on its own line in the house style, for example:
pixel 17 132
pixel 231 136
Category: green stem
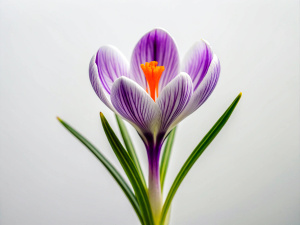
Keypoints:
pixel 154 192
pixel 154 188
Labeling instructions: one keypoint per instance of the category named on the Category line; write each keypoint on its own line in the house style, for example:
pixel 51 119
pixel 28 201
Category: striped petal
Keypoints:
pixel 157 45
pixel 173 100
pixel 205 88
pixel 97 84
pixel 197 62
pixel 134 104
pixel 111 65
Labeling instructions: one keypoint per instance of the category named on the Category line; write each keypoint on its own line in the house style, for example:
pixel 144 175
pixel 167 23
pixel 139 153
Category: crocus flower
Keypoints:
pixel 152 92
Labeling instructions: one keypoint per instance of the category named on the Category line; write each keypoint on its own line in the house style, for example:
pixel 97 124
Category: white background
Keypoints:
pixel 249 175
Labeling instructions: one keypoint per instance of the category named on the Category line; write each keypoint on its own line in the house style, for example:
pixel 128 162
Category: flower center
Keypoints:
pixel 152 73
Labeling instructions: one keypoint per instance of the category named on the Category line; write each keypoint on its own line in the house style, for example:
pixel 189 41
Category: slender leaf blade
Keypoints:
pixel 195 155
pixel 116 175
pixel 166 157
pixel 130 170
pixel 130 148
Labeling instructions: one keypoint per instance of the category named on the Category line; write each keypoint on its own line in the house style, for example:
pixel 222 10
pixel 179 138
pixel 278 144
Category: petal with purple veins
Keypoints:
pixel 205 88
pixel 111 64
pixel 173 100
pixel 156 45
pixel 134 104
pixel 97 84
pixel 197 62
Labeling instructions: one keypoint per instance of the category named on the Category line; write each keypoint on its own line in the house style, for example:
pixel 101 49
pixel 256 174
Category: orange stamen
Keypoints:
pixel 153 74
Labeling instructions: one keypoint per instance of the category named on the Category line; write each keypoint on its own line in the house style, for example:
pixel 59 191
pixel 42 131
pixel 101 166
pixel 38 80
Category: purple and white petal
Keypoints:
pixel 97 84
pixel 133 103
pixel 173 100
pixel 157 45
pixel 197 62
pixel 205 88
pixel 111 64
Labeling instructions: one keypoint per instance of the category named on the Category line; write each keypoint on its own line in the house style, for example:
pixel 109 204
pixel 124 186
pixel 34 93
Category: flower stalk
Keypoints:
pixel 154 189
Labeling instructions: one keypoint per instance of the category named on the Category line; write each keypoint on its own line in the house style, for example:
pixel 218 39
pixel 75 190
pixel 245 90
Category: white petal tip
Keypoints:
pixel 205 41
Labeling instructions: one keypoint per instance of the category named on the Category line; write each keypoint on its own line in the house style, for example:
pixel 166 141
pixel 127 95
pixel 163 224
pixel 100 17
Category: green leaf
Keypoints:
pixel 195 155
pixel 166 157
pixel 130 148
pixel 116 175
pixel 130 170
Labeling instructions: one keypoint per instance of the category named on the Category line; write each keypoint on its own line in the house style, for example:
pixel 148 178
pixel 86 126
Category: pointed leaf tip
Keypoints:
pixel 101 115
pixel 239 97
pixel 59 119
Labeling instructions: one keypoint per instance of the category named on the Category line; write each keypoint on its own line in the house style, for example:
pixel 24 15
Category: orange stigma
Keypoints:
pixel 152 73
